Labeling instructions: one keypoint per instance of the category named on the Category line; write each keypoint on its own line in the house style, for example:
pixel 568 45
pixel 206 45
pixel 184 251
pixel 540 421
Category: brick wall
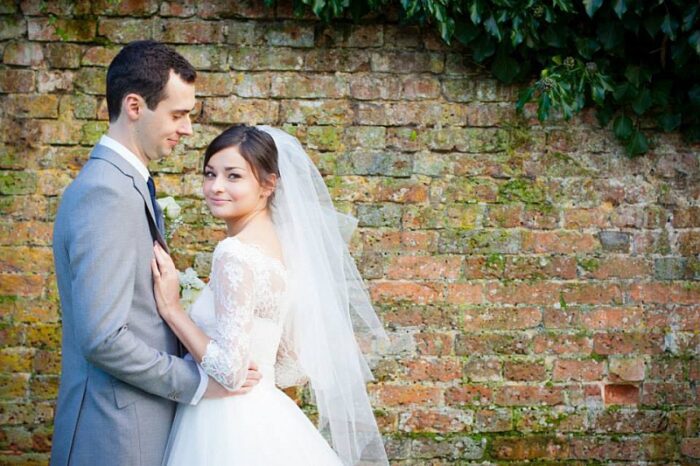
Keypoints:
pixel 539 287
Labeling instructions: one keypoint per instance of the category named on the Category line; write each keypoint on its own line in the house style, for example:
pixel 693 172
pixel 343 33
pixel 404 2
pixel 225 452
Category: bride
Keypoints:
pixel 284 294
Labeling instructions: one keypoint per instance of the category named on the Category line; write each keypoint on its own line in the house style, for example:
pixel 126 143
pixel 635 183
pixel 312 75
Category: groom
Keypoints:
pixel 122 376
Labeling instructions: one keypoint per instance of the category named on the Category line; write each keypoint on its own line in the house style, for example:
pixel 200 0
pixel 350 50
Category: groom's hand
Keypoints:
pixel 216 390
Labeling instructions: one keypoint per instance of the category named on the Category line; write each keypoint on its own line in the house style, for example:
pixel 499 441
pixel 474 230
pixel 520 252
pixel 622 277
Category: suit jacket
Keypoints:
pixel 121 375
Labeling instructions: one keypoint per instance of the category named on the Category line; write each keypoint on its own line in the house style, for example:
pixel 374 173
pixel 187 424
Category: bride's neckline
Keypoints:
pixel 259 249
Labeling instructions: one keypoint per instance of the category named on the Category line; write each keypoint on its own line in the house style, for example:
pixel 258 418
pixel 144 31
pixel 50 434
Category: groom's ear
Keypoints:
pixel 133 106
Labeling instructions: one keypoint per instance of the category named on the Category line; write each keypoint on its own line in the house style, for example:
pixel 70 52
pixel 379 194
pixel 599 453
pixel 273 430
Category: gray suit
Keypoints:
pixel 121 378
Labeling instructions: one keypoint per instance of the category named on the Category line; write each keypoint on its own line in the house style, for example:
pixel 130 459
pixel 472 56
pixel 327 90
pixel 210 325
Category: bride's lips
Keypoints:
pixel 215 201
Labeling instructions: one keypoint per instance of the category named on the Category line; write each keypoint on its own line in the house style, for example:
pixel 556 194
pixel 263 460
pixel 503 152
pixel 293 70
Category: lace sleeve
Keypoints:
pixel 288 371
pixel 228 353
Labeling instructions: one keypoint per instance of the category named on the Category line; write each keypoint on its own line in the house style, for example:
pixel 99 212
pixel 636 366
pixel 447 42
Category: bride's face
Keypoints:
pixel 231 189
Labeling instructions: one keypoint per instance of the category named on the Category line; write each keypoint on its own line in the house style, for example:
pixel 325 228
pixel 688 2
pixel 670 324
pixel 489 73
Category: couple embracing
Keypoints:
pixel 145 383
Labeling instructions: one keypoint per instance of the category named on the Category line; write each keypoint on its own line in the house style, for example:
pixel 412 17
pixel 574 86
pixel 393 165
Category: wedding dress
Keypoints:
pixel 244 309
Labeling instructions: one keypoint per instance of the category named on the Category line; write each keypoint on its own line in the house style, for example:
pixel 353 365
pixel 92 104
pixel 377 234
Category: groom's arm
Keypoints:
pixel 103 261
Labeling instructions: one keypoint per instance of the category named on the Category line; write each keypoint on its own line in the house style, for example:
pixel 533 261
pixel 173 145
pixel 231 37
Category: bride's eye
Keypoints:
pixel 233 176
pixel 209 174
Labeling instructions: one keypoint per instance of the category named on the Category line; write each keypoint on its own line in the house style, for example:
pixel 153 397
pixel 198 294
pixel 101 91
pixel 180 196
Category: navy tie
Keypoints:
pixel 156 208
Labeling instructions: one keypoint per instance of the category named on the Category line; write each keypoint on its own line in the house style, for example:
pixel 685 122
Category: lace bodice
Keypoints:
pixel 243 309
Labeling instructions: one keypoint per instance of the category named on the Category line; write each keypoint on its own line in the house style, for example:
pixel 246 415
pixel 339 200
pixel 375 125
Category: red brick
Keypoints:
pixel 21 285
pixel 630 422
pixel 493 420
pixel 392 241
pixel 409 315
pixel 524 371
pixel 421 293
pixel 469 395
pixel 662 393
pixel 578 370
pixel 680 318
pixel 691 447
pixel 616 394
pixel 528 448
pixel 554 343
pixel 400 395
pixel 665 293
pixel 424 267
pixel 626 369
pixel 189 31
pixel 493 318
pixel 686 217
pixel 523 293
pixel 434 370
pixel 562 242
pixel 621 267
pixel 529 395
pixel 464 293
pixel 482 369
pixel 485 343
pixel 628 343
pixel 12 80
pixel 591 293
pixel 612 318
pixel 434 344
pixel 689 243
pixel 431 421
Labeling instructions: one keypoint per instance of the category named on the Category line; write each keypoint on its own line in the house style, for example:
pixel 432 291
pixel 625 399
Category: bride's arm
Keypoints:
pixel 226 356
pixel 288 370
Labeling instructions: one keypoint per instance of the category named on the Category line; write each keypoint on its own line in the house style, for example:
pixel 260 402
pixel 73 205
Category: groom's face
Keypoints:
pixel 159 130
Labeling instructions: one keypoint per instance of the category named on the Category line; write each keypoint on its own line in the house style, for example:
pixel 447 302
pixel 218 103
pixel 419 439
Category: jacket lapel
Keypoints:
pixel 108 155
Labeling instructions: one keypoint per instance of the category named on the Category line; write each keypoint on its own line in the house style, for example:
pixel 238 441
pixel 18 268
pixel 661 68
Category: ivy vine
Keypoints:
pixel 637 62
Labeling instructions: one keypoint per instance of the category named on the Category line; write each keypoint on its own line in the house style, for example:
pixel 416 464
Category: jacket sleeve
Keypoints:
pixel 103 264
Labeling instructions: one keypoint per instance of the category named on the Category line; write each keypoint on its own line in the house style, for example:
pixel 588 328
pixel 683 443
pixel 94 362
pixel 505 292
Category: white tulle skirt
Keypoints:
pixel 264 427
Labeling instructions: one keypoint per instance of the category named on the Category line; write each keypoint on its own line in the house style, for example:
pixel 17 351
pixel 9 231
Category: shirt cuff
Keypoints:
pixel 203 382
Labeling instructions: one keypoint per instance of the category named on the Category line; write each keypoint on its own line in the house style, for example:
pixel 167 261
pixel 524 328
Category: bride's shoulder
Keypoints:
pixel 231 247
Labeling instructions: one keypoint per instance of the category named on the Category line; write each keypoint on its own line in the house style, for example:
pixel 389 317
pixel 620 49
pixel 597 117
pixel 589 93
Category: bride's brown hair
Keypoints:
pixel 255 146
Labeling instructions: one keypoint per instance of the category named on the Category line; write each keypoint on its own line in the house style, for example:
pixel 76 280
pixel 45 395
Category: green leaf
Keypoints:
pixel 465 31
pixel 587 46
pixel 669 121
pixel 504 67
pixel 592 6
pixel 598 94
pixel 524 97
pixel 483 47
pixel 669 26
pixel 689 17
pixel 610 34
pixel 652 24
pixel 642 102
pixel 555 36
pixel 475 11
pixel 637 144
pixel 543 107
pixel 492 27
pixel 621 91
pixel 694 94
pixel 563 5
pixel 622 127
pixel 694 41
pixel 604 114
pixel 619 6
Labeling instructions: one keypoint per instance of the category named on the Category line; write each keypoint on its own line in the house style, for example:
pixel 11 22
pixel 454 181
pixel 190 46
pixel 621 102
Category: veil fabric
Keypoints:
pixel 331 309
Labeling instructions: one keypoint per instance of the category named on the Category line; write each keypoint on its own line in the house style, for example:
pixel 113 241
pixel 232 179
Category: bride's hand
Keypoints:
pixel 166 283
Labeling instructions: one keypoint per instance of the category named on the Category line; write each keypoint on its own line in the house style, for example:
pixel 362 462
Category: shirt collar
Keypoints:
pixel 125 153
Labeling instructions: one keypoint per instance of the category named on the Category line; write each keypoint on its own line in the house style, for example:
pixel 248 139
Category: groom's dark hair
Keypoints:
pixel 143 68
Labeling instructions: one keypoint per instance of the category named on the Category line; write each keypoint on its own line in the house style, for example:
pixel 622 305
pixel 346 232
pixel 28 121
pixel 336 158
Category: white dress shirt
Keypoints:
pixel 133 160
